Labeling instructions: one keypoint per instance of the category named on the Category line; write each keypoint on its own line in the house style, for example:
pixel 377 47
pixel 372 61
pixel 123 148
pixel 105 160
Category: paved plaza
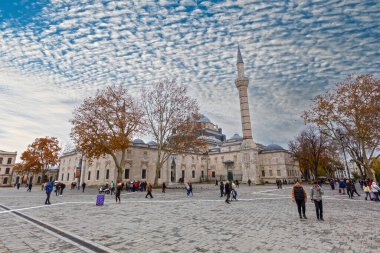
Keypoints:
pixel 263 220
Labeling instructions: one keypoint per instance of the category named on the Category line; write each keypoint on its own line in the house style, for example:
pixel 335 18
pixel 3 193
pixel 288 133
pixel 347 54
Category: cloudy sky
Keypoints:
pixel 53 53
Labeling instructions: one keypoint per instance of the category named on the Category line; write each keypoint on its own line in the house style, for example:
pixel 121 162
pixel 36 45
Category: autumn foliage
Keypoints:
pixel 105 125
pixel 39 156
pixel 172 120
pixel 350 114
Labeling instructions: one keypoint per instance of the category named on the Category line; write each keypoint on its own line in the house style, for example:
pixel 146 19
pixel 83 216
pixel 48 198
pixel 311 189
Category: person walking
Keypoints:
pixel 316 197
pixel 62 187
pixel 83 186
pixel 57 185
pixel 149 191
pixel 29 187
pixel 299 196
pixel 163 187
pixel 353 189
pixel 350 188
pixel 367 191
pixel 118 192
pixel 112 187
pixel 342 186
pixel 191 188
pixel 375 189
pixel 221 187
pixel 332 184
pixel 18 185
pixel 233 191
pixel 227 189
pixel 48 188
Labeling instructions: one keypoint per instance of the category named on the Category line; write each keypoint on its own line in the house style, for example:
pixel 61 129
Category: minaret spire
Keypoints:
pixel 242 84
pixel 239 58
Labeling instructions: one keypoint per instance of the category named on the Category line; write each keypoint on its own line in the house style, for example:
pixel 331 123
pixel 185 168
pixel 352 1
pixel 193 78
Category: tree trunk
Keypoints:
pixel 158 169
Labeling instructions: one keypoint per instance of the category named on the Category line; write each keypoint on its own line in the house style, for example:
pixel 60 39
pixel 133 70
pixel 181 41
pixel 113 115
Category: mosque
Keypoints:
pixel 236 158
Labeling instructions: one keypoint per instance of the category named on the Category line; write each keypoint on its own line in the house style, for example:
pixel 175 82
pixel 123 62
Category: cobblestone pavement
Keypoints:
pixel 263 220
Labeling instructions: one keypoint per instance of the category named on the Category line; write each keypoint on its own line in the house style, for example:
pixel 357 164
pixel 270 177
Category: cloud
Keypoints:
pixel 292 52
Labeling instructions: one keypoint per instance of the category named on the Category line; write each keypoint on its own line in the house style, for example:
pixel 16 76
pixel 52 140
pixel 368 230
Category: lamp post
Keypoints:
pixel 341 137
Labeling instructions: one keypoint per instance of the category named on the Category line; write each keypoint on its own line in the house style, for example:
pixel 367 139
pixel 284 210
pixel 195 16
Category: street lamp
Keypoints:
pixel 341 138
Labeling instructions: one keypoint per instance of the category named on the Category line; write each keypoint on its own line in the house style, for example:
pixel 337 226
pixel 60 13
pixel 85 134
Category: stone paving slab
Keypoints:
pixel 264 220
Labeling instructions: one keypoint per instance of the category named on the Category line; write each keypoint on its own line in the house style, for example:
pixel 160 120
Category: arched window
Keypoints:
pixel 5 180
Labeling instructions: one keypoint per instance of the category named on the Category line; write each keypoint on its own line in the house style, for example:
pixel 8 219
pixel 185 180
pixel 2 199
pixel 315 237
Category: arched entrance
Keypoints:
pixel 173 171
pixel 229 166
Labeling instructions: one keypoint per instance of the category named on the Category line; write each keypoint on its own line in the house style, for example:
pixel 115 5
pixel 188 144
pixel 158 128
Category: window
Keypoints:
pixel 193 173
pixel 145 155
pixel 143 174
pixel 159 174
pixel 9 161
pixel 97 175
pixel 107 174
pixel 62 177
pixel 270 173
pixel 5 180
pixel 68 176
pixel 7 170
pixel 126 173
pixel 183 175
pixel 1 160
pixel 39 180
pixel 213 174
pixel 89 175
pixel 278 172
pixel 263 173
pixel 203 174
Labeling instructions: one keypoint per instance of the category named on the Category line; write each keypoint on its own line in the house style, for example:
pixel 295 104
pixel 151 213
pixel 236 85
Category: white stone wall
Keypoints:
pixel 7 162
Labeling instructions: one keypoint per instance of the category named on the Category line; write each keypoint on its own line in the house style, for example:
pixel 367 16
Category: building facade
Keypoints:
pixel 237 158
pixel 7 162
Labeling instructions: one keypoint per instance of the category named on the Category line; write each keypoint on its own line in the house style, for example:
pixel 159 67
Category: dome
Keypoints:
pixel 152 143
pixel 204 119
pixel 138 141
pixel 236 137
pixel 273 147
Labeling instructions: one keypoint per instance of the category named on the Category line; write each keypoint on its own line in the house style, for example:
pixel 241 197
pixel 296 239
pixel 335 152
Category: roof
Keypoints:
pixel 204 119
pixel 138 141
pixel 273 147
pixel 236 136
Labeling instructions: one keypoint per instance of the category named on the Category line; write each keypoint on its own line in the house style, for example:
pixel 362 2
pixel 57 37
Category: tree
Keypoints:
pixel 309 147
pixel 40 155
pixel 172 120
pixel 105 124
pixel 350 114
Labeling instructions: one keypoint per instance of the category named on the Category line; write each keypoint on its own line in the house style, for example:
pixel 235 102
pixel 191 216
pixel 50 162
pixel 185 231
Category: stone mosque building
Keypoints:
pixel 238 157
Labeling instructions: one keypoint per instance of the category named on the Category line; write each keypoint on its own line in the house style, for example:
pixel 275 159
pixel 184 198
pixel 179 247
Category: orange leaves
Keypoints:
pixel 354 107
pixel 43 152
pixel 106 123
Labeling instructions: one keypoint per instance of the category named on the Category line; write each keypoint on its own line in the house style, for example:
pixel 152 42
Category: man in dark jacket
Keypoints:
pixel 227 189
pixel 221 189
pixel 299 196
pixel 48 188
pixel 349 188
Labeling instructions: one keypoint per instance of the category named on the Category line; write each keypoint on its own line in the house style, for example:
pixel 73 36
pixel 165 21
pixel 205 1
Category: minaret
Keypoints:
pixel 242 85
